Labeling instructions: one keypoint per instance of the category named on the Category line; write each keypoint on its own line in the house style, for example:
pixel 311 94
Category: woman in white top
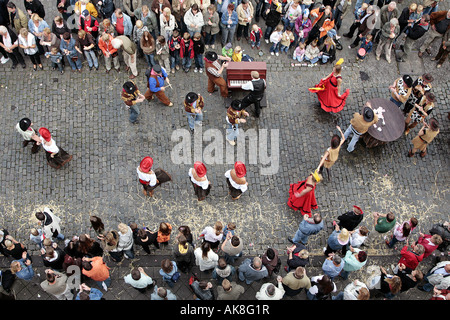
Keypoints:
pixel 237 184
pixel 213 235
pixel 149 179
pixel 199 181
pixel 56 156
pixel 27 41
pixel 167 23
pixel 205 257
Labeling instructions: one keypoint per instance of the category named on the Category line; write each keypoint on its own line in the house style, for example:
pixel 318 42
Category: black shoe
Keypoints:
pixel 13 66
pixel 353 45
pixel 347 35
pixel 24 66
pixel 291 241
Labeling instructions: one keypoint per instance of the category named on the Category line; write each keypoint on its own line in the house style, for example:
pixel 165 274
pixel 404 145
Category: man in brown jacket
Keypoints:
pixel 17 18
pixel 440 24
pixel 359 125
pixel 444 49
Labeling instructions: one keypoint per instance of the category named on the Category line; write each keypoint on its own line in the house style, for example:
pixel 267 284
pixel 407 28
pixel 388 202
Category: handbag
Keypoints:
pixel 175 276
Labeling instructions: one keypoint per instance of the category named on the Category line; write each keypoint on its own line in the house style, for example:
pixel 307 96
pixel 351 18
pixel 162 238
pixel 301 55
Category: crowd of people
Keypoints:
pixel 169 36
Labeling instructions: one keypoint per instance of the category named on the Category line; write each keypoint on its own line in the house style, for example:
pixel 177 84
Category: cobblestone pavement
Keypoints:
pixel 87 118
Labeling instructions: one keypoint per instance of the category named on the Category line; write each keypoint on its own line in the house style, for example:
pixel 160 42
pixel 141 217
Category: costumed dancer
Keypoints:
pixel 199 181
pixel 214 70
pixel 56 156
pixel 155 85
pixel 193 105
pixel 328 90
pixel 235 116
pixel 332 153
pixel 24 127
pixel 151 179
pixel 302 194
pixel 131 96
pixel 424 138
pixel 237 184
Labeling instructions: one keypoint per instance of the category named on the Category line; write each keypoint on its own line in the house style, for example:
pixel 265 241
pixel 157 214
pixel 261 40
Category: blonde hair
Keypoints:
pixel 47 30
pixel 144 8
pixel 23 32
pixel 279 27
pixel 54 50
pixel 167 10
pixel 15 266
pixel 81 33
pixel 395 284
pixel 419 8
pixel 364 5
pixel 413 6
pixel 218 226
pixel 34 232
pixel 255 27
pixel 123 228
pixel 237 49
pixel 35 17
pixel 105 36
pixel 139 24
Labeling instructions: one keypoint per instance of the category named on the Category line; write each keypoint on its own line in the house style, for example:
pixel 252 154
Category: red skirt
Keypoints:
pixel 305 203
pixel 327 93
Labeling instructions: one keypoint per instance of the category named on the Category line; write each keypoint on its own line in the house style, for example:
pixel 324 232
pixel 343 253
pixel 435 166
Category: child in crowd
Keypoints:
pixel 56 58
pixel 275 39
pixel 366 44
pixel 299 52
pixel 228 228
pixel 358 236
pixel 37 236
pixel 227 51
pixel 255 36
pixel 199 49
pixel 138 30
pixel 174 50
pixel 312 52
pixel 186 51
pixel 162 52
pixel 286 39
pixel 237 54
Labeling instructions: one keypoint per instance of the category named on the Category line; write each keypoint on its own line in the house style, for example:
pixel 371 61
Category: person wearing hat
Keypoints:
pixel 131 96
pixel 199 181
pixel 214 70
pixel 337 241
pixel 302 194
pixel 24 127
pixel 56 156
pixel 256 86
pixel 150 179
pixel 354 260
pixel 401 90
pixel 235 115
pixel 332 153
pixel 421 110
pixel 359 125
pixel 155 85
pixel 193 105
pixel 89 24
pixel 237 184
pixel 424 138
pixel 421 86
pixel 351 219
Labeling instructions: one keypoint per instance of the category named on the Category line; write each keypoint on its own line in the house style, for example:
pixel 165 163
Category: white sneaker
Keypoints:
pixel 277 54
pixel 201 70
pixel 206 46
pixel 267 41
pixel 195 70
pixel 4 60
pixel 213 46
pixel 104 286
pixel 272 53
pixel 232 142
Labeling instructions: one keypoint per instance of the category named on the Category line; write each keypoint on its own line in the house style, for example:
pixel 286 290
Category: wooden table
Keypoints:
pixel 390 125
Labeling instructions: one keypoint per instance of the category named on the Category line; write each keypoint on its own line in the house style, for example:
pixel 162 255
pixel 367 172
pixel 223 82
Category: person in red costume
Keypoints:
pixel 302 194
pixel 328 90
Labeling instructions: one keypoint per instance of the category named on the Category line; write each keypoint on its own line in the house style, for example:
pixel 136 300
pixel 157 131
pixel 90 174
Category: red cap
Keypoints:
pixel 146 164
pixel 200 168
pixel 359 209
pixel 45 134
pixel 239 168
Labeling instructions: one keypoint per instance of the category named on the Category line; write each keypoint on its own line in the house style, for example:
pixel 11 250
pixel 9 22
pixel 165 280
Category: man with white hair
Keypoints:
pixel 389 32
pixel 129 53
pixel 9 44
pixel 252 270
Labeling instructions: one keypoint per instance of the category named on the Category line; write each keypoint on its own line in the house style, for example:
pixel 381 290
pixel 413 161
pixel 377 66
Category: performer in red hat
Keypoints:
pixel 237 184
pixel 149 179
pixel 56 156
pixel 199 181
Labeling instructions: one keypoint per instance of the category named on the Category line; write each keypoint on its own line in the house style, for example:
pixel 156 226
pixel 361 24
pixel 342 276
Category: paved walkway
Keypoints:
pixel 87 118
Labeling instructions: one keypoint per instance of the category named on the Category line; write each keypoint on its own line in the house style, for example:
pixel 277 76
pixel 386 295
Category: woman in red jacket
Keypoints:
pixel 429 242
pixel 411 258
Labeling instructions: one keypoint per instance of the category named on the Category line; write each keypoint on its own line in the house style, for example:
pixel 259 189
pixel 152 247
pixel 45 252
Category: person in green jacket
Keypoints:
pixel 354 260
pixel 383 222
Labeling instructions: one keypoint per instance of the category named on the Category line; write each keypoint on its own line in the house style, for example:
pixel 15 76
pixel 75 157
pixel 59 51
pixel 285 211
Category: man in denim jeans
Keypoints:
pixel 235 115
pixel 359 125
pixel 193 105
pixel 131 96
pixel 86 44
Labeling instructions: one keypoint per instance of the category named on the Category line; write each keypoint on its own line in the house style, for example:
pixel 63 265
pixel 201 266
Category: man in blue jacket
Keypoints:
pixel 308 227
pixel 156 79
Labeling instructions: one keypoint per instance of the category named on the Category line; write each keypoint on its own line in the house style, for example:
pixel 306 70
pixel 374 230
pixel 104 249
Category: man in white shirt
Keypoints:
pixel 256 86
pixel 138 279
pixel 269 291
